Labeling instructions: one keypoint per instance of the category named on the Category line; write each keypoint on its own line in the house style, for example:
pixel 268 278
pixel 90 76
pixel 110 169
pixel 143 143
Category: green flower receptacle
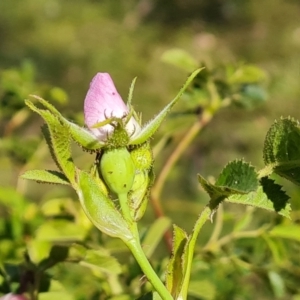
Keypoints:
pixel 118 170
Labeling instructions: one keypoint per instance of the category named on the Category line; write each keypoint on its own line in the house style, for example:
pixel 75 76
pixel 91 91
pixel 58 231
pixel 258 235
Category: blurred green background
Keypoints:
pixel 53 49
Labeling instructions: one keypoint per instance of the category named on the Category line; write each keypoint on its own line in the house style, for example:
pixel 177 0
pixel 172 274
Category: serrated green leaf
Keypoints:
pixel 282 149
pixel 180 59
pixel 274 193
pixel 175 271
pixel 237 177
pixel 46 176
pixel 260 200
pixel 149 129
pixel 99 209
pixel 59 142
pixel 100 261
pixel 155 234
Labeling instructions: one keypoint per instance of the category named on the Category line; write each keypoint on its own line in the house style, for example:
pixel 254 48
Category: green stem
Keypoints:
pixel 123 199
pixel 217 228
pixel 137 251
pixel 204 216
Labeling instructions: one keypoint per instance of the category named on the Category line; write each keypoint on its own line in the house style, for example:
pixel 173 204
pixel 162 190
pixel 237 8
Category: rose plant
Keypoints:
pixel 115 192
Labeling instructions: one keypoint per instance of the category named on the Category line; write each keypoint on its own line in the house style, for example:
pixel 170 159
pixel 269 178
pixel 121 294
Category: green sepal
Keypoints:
pixel 175 271
pixel 100 209
pixel 46 176
pixel 282 149
pixel 58 140
pixel 95 173
pixel 130 94
pixel 84 137
pixel 149 129
pixel 142 157
pixel 80 135
pixel 137 196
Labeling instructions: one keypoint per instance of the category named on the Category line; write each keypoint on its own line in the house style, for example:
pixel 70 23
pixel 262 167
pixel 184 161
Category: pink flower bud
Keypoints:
pixel 103 101
pixel 11 296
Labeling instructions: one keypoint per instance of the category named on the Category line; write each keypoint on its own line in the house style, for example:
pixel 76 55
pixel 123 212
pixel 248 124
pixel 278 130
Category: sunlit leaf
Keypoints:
pixel 101 261
pixel 38 250
pixel 282 149
pixel 46 176
pixel 260 200
pixel 247 74
pixel 277 284
pixel 180 59
pixel 60 230
pixel 238 177
pixel 291 231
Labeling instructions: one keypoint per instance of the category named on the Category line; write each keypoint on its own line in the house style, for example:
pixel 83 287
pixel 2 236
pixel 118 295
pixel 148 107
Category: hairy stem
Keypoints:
pixel 138 253
pixel 204 216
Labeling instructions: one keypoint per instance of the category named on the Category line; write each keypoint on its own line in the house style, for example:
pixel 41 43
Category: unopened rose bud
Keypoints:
pixel 102 102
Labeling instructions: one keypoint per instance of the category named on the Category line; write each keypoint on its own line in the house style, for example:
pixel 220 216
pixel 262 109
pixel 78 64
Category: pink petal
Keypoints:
pixel 103 101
